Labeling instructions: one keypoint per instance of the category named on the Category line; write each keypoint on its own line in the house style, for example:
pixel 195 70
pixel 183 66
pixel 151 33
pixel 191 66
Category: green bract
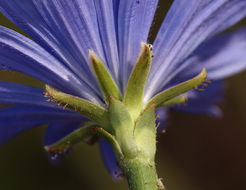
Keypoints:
pixel 173 92
pixel 104 78
pixel 92 111
pixel 133 98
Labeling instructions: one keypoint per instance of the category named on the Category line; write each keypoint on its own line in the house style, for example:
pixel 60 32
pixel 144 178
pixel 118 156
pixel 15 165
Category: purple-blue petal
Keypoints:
pixel 67 35
pixel 13 93
pixel 109 160
pixel 222 56
pixel 24 55
pixel 106 11
pixel 116 10
pixel 16 119
pixel 19 94
pixel 188 24
pixel 134 20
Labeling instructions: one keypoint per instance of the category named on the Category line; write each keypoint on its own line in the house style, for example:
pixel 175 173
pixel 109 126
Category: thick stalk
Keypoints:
pixel 137 142
pixel 141 175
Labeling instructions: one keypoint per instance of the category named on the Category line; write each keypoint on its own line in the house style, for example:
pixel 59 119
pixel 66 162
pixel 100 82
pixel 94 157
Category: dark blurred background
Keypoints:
pixel 196 153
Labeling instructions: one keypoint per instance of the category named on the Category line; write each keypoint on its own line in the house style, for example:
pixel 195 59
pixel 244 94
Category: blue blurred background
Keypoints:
pixel 196 153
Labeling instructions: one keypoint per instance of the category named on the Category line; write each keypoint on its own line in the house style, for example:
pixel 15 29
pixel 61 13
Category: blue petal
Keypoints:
pixel 116 10
pixel 24 55
pixel 187 24
pixel 109 160
pixel 16 119
pixel 9 131
pixel 134 21
pixel 222 56
pixel 66 30
pixel 106 11
pixel 18 94
pixel 12 93
pixel 205 102
pixel 28 114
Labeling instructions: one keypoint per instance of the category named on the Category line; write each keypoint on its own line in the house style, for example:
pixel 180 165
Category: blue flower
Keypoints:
pixel 63 32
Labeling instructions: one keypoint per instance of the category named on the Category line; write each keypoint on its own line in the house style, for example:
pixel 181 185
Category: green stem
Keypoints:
pixel 141 175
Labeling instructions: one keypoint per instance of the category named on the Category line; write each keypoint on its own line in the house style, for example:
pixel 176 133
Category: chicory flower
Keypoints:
pixel 66 35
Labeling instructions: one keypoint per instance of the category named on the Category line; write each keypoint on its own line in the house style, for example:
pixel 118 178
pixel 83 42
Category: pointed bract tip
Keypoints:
pixel 144 45
pixel 95 60
pixel 146 49
pixel 157 116
pixel 91 53
pixel 47 149
pixel 203 73
pixel 51 92
pixel 48 88
pixel 93 57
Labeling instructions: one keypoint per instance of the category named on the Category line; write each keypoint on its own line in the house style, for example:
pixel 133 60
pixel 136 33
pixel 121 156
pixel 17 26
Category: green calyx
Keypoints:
pixel 130 122
pixel 127 124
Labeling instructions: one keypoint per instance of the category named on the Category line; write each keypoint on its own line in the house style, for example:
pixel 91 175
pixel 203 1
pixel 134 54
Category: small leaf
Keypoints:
pixel 104 78
pixel 123 126
pixel 133 98
pixel 177 90
pixel 145 133
pixel 86 108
